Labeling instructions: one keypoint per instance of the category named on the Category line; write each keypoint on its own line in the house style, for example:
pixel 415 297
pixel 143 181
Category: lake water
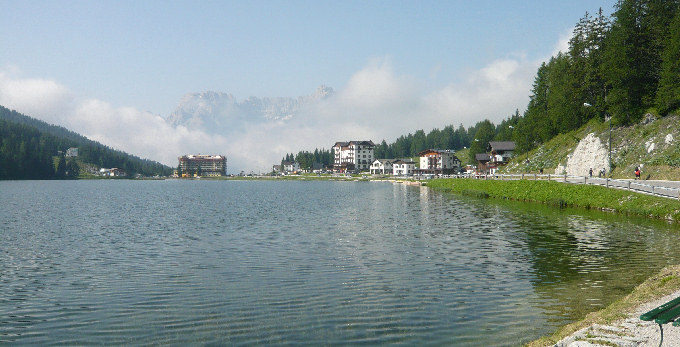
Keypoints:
pixel 182 262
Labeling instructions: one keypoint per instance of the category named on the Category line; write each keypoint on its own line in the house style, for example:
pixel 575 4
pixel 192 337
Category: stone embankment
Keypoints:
pixel 628 332
pixel 590 153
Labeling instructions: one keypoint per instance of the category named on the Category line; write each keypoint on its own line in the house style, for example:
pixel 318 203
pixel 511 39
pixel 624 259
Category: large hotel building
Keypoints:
pixel 203 165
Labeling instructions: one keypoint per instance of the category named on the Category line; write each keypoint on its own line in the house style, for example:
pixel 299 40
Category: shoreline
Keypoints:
pixel 619 324
pixel 559 194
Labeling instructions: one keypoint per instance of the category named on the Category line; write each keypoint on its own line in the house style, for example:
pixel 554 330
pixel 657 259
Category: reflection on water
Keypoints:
pixel 224 262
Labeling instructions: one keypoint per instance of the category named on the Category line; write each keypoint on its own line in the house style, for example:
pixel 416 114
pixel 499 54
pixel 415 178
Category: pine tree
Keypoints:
pixel 668 94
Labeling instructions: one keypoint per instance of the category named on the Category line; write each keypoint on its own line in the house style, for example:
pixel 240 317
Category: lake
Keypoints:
pixel 180 262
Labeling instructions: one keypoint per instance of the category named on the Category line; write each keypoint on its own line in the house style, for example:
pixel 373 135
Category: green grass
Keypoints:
pixel 629 149
pixel 566 195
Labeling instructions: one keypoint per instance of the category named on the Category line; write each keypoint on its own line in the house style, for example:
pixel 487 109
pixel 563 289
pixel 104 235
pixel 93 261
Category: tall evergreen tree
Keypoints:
pixel 668 94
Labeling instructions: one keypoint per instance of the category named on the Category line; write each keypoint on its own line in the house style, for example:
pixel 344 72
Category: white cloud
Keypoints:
pixel 377 103
pixel 563 43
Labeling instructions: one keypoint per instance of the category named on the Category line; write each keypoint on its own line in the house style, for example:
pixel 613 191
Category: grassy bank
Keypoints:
pixel 665 282
pixel 565 195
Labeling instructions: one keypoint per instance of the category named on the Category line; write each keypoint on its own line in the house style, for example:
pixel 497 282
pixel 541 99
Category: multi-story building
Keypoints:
pixel 438 162
pixel 403 167
pixel 290 166
pixel 203 165
pixel 381 167
pixel 500 151
pixel 353 155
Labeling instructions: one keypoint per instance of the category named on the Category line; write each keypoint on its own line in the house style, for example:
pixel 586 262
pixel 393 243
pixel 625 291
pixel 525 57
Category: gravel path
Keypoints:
pixel 630 332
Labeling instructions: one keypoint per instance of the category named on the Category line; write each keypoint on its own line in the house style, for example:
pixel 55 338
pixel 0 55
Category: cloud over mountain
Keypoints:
pixel 376 103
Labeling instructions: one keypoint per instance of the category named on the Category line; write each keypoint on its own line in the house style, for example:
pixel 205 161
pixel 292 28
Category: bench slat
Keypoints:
pixel 653 314
pixel 668 316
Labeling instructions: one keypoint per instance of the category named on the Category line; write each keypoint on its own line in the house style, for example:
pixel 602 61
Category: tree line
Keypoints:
pixel 620 66
pixel 33 149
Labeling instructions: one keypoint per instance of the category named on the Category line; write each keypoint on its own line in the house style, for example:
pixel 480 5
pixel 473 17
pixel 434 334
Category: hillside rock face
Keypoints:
pixel 217 112
pixel 589 153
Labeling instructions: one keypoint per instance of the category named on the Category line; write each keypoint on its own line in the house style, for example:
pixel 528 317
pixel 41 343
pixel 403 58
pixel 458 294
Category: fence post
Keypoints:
pixel 607 182
pixel 548 177
pixel 522 175
pixel 585 179
pixel 535 177
pixel 565 177
pixel 628 185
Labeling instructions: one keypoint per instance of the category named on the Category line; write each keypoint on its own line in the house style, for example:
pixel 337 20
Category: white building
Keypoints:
pixel 353 155
pixel 437 162
pixel 381 167
pixel 72 152
pixel 403 167
pixel 289 166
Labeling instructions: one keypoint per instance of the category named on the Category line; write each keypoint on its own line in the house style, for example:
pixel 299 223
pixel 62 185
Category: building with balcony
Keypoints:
pixel 203 165
pixel 353 155
pixel 438 162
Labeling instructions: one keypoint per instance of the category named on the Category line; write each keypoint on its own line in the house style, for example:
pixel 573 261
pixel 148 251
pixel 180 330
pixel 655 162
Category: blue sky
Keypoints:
pixel 145 55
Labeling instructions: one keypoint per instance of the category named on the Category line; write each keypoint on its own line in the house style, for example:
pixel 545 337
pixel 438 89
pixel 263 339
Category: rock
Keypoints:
pixel 669 139
pixel 589 153
pixel 648 119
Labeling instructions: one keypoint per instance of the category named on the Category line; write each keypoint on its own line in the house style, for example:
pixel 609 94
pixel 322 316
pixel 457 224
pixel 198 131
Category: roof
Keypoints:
pixel 354 142
pixel 383 161
pixel 439 151
pixel 404 161
pixel 363 143
pixel 502 145
pixel 482 157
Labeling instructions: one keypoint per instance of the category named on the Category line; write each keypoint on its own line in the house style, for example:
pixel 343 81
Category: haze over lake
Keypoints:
pixel 304 263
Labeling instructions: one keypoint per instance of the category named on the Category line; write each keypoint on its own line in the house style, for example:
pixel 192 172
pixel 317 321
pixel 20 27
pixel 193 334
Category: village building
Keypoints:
pixel 500 151
pixel 72 152
pixel 438 162
pixel 112 172
pixel 381 167
pixel 483 163
pixel 403 167
pixel 291 166
pixel 353 155
pixel 203 165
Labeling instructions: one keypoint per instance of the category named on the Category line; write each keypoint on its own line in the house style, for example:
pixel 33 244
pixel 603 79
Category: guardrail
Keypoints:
pixel 632 185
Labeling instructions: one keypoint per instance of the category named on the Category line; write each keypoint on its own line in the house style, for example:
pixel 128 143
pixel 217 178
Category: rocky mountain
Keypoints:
pixel 221 112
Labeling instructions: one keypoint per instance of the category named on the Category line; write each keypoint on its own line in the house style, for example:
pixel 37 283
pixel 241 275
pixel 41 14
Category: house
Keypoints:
pixel 500 151
pixel 353 155
pixel 403 167
pixel 438 162
pixel 113 172
pixel 483 162
pixel 291 166
pixel 276 168
pixel 203 165
pixel 381 167
pixel 72 152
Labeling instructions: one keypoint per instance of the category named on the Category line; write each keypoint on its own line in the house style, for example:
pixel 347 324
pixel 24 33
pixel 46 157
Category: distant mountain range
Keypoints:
pixel 221 112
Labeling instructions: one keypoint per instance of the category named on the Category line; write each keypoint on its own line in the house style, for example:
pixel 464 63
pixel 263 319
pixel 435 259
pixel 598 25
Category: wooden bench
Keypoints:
pixel 666 313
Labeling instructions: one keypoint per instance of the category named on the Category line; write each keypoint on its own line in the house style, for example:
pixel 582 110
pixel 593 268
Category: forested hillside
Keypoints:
pixel 621 66
pixel 29 149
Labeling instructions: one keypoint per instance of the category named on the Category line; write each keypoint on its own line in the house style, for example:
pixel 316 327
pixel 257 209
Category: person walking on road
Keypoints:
pixel 590 172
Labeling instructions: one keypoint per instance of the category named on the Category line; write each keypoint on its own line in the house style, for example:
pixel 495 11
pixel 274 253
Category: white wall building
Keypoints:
pixel 381 167
pixel 403 167
pixel 291 166
pixel 353 155
pixel 438 162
